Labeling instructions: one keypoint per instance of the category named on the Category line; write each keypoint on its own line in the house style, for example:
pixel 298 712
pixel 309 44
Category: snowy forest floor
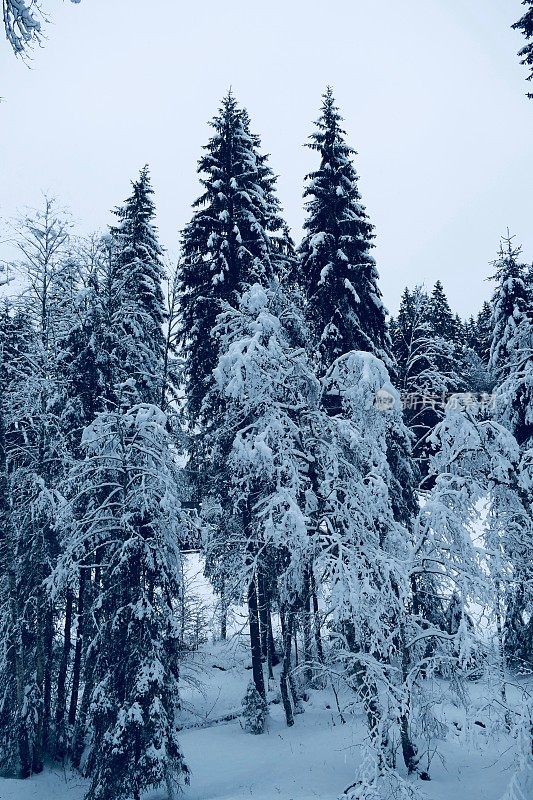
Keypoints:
pixel 317 758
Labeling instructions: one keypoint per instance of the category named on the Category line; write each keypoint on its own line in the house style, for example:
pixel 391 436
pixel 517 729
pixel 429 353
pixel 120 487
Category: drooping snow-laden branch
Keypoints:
pixel 22 23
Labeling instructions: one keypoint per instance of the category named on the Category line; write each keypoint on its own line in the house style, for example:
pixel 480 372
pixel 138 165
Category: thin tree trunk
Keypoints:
pixel 78 650
pixel 307 631
pixel 78 737
pixel 255 637
pixel 170 787
pixel 47 679
pixel 37 764
pixel 262 608
pixel 316 618
pixel 286 670
pixel 267 637
pixel 61 698
pixel 409 752
pixel 223 612
pixel 501 657
pixel 274 658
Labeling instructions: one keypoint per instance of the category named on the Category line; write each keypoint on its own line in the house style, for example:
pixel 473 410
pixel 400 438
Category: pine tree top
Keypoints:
pixel 511 305
pixel 443 321
pixel 137 252
pixel 227 240
pixel 337 272
pixel 133 292
pixel 235 238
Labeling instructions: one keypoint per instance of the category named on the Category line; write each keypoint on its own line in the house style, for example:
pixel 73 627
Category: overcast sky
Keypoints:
pixel 431 90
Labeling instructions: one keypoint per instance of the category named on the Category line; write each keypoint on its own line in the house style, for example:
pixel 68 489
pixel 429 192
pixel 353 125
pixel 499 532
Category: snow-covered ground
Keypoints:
pixel 317 758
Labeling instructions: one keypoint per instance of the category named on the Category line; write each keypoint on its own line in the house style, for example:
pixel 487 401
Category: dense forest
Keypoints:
pixel 361 484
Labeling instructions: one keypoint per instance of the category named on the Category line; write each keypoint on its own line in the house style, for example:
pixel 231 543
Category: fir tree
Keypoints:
pixel 234 239
pixel 337 272
pixel 444 324
pixel 132 724
pixel 477 334
pixel 511 360
pixel 484 332
pixel 136 277
pixel 338 279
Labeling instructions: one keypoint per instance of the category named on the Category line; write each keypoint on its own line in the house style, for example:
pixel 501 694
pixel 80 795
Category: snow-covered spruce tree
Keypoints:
pixel 135 281
pixel 254 710
pixel 511 362
pixel 478 332
pixel 445 353
pixel 337 272
pixel 133 521
pixel 443 322
pixel 446 330
pixel 420 381
pixel 125 525
pixel 511 354
pixel 235 238
pixel 339 281
pixel 525 25
pixel 419 355
pixel 477 337
pixel 231 242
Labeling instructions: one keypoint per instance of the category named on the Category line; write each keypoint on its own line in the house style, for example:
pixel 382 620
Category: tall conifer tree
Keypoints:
pixel 236 238
pixel 135 289
pixel 339 281
pixel 337 273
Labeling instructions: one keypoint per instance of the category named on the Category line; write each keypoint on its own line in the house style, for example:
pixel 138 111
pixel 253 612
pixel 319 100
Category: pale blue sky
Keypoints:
pixel 431 90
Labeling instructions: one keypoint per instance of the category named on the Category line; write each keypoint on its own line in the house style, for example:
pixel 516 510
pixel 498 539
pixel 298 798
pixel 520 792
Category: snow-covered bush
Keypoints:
pixel 254 710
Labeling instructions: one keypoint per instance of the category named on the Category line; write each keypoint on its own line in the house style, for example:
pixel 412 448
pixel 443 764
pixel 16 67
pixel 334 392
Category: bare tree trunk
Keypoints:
pixel 501 656
pixel 267 638
pixel 274 658
pixel 409 751
pixel 61 698
pixel 170 787
pixel 262 607
pixel 78 650
pixel 37 764
pixel 223 612
pixel 316 618
pixel 307 630
pixel 255 637
pixel 47 678
pixel 286 669
pixel 78 737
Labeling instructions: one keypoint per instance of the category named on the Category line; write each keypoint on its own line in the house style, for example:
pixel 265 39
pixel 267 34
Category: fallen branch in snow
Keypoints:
pixel 210 723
